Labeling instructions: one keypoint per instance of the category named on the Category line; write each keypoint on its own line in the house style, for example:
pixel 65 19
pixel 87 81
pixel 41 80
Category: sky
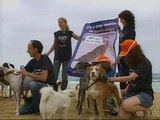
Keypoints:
pixel 23 20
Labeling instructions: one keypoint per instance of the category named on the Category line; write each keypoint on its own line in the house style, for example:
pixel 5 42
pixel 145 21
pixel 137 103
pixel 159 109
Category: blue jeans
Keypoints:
pixel 56 67
pixel 35 87
pixel 32 106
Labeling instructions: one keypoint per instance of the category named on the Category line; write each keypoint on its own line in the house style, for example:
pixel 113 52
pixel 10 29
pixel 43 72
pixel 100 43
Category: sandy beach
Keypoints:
pixel 7 111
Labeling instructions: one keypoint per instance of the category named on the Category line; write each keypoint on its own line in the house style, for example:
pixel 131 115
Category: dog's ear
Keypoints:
pixel 106 66
pixel 102 72
pixel 12 65
pixel 8 65
pixel 5 65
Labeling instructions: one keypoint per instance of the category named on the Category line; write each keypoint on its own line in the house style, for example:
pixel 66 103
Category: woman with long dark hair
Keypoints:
pixel 139 95
pixel 127 32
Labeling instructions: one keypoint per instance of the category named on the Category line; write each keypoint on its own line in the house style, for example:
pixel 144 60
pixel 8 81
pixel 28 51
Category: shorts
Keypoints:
pixel 145 99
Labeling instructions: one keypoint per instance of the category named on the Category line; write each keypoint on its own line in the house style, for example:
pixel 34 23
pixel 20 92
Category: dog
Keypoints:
pixel 81 67
pixel 3 83
pixel 99 91
pixel 52 102
pixel 5 86
pixel 15 81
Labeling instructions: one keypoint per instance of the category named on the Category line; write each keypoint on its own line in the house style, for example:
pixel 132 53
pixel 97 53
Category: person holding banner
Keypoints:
pixel 128 32
pixel 140 94
pixel 63 50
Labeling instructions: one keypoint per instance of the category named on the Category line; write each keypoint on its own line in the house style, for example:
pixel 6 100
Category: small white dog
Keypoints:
pixel 15 81
pixel 52 102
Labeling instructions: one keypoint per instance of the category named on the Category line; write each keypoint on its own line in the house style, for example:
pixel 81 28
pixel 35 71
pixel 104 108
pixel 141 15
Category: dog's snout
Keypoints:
pixel 92 73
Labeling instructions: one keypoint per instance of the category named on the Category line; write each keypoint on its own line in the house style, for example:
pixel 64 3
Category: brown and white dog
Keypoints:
pixel 15 81
pixel 99 91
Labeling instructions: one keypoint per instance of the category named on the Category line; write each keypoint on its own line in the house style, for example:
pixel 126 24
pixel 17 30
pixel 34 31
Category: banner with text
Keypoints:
pixel 97 38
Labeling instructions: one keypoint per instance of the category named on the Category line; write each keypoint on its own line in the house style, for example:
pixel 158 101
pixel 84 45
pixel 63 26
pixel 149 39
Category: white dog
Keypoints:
pixel 15 81
pixel 51 101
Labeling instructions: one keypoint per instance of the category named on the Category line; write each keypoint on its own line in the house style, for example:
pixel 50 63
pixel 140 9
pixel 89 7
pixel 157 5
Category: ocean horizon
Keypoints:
pixel 73 81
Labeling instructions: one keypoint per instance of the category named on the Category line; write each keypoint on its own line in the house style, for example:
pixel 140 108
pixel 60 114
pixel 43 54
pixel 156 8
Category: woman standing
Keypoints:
pixel 140 95
pixel 63 50
pixel 127 32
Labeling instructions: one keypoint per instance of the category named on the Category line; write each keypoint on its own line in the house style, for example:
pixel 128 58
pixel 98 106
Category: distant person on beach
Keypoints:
pixel 63 50
pixel 139 95
pixel 127 32
pixel 40 69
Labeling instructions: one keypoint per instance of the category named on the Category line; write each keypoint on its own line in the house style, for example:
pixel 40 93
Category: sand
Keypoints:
pixel 7 111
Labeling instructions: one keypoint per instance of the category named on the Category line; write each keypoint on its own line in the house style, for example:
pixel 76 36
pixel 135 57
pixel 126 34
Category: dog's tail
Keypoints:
pixel 70 92
pixel 46 92
pixel 114 89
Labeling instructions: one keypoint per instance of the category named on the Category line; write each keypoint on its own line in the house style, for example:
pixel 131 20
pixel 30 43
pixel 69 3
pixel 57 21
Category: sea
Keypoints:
pixel 73 81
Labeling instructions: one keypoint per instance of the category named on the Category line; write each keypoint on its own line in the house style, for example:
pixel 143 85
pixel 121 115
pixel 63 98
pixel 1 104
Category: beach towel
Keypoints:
pixel 97 38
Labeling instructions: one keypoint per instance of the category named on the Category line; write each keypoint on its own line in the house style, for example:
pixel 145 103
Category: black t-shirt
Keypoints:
pixel 144 82
pixel 43 64
pixel 63 48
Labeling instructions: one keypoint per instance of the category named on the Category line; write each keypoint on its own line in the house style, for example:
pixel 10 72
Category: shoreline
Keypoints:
pixel 155 85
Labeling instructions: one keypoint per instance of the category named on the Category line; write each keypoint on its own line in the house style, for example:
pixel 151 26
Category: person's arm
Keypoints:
pixel 75 36
pixel 41 77
pixel 131 77
pixel 52 47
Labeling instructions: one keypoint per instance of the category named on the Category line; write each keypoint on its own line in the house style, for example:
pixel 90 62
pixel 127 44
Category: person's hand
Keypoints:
pixel 110 80
pixel 124 91
pixel 23 71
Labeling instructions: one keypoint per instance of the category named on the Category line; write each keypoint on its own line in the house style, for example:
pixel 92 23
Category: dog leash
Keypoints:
pixel 91 85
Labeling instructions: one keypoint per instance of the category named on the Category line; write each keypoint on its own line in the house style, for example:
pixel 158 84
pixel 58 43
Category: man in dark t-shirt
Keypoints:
pixel 40 70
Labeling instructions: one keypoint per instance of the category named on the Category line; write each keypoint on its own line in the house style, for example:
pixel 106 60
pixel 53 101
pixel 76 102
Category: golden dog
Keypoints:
pixel 98 90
